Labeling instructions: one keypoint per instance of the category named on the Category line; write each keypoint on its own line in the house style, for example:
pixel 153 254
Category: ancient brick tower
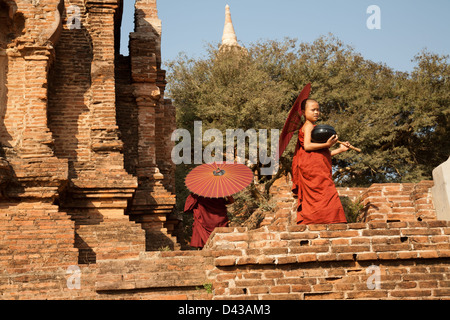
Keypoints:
pixel 84 132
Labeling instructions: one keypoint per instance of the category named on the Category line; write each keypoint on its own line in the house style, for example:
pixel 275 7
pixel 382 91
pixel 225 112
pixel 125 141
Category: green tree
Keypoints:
pixel 427 109
pixel 227 90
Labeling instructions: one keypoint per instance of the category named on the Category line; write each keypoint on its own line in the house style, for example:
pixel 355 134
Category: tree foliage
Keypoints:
pixel 400 120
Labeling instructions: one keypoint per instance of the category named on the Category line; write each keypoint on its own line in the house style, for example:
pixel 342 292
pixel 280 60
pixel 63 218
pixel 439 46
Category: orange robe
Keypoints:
pixel 318 200
pixel 209 213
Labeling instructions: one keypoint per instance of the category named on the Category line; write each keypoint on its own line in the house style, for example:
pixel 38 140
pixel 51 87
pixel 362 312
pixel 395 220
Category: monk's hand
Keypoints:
pixel 345 146
pixel 332 140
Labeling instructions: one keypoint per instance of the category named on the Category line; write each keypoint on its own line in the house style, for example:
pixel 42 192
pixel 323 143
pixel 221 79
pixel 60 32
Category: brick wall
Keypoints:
pixel 36 248
pixel 398 260
pixel 394 201
pixel 366 260
pixel 174 275
pixel 332 261
pixel 376 260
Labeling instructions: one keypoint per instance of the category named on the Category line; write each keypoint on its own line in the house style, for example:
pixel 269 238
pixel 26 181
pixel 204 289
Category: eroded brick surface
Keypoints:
pixel 87 186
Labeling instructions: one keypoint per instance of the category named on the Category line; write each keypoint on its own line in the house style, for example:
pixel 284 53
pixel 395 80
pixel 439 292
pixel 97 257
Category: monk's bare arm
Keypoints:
pixel 342 148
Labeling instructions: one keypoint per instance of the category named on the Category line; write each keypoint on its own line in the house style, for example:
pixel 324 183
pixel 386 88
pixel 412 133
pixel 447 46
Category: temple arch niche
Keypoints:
pixel 12 24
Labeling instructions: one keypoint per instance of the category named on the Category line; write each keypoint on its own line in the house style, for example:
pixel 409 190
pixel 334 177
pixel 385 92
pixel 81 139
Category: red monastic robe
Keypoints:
pixel 318 200
pixel 209 213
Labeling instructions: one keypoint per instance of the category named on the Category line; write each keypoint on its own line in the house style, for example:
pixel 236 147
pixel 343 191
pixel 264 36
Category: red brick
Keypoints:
pixel 252 275
pixel 442 292
pixel 420 231
pixel 387 255
pixel 234 237
pixel 337 234
pixel 246 260
pixel 224 261
pixel 350 248
pixel 317 227
pixel 406 285
pixel 306 257
pixel 237 291
pixel 380 232
pixel 428 284
pixel 273 274
pixel 327 257
pixel 258 289
pixel 428 254
pixel 407 254
pixel 444 253
pixel 360 240
pixel 357 225
pixel 366 256
pixel 281 296
pixel 300 288
pixel 280 289
pixel 275 250
pixel 337 226
pixel 225 277
pixel 368 294
pixel 410 293
pixel 297 228
pixel 254 282
pixel 286 259
pixel 305 249
pixel 265 260
pixel 340 242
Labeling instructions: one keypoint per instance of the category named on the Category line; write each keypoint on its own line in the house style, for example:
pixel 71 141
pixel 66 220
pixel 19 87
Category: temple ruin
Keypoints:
pixel 84 131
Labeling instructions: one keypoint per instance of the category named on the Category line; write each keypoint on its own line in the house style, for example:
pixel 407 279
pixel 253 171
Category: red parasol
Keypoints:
pixel 293 121
pixel 218 180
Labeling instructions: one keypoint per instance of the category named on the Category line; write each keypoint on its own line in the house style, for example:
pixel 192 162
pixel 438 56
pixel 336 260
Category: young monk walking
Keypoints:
pixel 318 200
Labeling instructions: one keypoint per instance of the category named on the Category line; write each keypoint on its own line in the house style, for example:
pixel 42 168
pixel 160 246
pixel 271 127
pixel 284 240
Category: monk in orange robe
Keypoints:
pixel 318 200
pixel 209 213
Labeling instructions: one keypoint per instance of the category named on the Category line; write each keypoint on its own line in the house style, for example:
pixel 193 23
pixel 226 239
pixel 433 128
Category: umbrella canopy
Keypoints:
pixel 218 180
pixel 293 121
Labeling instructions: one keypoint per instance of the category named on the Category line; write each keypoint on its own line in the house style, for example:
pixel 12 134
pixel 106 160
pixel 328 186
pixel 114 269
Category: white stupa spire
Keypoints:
pixel 229 36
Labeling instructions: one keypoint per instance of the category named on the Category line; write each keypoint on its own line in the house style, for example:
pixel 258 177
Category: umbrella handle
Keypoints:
pixel 219 172
pixel 351 147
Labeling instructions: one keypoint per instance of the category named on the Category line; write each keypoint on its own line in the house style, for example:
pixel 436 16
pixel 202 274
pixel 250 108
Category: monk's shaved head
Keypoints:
pixel 307 102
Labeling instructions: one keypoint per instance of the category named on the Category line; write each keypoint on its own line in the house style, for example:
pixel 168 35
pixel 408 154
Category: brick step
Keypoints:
pixel 165 260
pixel 150 279
pixel 111 239
pixel 278 244
pixel 192 292
pixel 168 275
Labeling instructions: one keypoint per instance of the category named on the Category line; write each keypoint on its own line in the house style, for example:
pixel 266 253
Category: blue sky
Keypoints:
pixel 407 26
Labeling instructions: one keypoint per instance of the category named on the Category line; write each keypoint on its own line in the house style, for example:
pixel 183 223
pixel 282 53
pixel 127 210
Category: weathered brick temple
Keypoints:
pixel 87 185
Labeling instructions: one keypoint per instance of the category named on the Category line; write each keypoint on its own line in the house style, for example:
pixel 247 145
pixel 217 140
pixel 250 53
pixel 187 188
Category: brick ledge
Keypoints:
pixel 334 242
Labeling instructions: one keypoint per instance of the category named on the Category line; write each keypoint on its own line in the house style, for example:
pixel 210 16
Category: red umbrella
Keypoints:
pixel 293 121
pixel 218 180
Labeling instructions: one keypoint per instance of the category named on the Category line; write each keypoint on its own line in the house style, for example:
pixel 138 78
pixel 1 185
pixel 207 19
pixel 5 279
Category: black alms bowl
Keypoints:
pixel 322 132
